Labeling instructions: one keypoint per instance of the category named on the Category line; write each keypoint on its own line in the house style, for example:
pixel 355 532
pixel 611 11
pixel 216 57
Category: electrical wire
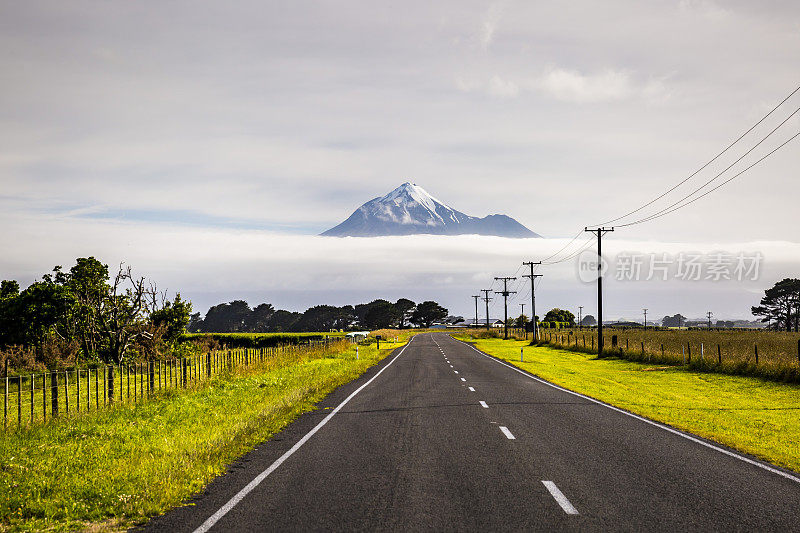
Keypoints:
pixel 673 207
pixel 693 174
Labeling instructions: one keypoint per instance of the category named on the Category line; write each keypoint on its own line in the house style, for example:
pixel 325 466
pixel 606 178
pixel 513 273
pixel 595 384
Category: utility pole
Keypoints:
pixel 476 308
pixel 505 292
pixel 645 318
pixel 580 317
pixel 532 276
pixel 487 300
pixel 600 232
pixel 522 315
pixel 709 315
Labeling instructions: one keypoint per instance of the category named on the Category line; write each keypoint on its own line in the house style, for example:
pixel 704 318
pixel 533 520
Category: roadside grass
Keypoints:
pixel 755 416
pixel 115 468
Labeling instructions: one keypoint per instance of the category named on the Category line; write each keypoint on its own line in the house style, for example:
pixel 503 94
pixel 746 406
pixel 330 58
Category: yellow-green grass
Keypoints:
pixel 753 415
pixel 115 468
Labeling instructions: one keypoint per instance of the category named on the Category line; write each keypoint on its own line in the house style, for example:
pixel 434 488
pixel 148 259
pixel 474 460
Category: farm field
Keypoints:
pixel 750 414
pixel 113 468
pixel 772 355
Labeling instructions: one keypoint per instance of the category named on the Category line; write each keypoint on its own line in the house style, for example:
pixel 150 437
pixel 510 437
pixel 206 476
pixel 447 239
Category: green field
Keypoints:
pixel 753 415
pixel 114 468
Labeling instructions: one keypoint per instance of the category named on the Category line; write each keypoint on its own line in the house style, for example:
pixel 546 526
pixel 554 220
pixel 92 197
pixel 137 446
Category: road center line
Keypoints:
pixel 507 433
pixel 472 389
pixel 645 420
pixel 560 498
pixel 213 519
pixel 462 379
pixel 483 404
pixel 456 371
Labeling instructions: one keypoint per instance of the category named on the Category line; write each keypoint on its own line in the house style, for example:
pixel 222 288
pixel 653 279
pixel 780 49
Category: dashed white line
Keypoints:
pixel 668 429
pixel 462 379
pixel 472 389
pixel 483 404
pixel 560 498
pixel 507 433
pixel 456 371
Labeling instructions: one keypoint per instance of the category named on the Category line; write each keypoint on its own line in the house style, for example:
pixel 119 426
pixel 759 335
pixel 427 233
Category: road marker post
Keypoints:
pixel 520 356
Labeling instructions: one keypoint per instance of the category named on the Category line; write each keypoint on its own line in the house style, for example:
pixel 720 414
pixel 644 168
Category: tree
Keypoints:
pixel 675 321
pixel 258 320
pixel 589 320
pixel 321 318
pixel 559 315
pixel 283 320
pixel 227 317
pixel 781 305
pixel 405 307
pixel 361 310
pixel 427 313
pixel 382 315
pixel 521 322
pixel 195 323
pixel 172 319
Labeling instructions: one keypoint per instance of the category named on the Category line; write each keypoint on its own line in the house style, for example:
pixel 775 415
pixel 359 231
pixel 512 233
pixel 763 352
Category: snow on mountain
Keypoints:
pixel 410 210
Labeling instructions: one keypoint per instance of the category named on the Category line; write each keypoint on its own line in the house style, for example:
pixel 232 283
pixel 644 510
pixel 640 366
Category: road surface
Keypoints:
pixel 441 437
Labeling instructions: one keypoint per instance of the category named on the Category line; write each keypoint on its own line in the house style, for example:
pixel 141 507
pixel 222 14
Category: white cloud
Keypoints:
pixel 573 86
pixel 502 88
pixel 209 266
pixel 490 22
pixel 567 85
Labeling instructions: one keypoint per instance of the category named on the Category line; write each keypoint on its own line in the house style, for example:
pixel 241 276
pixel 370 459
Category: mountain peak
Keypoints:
pixel 409 209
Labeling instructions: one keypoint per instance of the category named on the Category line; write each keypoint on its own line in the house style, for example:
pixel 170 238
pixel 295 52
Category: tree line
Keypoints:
pixel 238 317
pixel 85 314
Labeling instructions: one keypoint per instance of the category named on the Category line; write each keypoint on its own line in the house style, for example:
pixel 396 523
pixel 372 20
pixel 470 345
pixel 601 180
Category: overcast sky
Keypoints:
pixel 241 129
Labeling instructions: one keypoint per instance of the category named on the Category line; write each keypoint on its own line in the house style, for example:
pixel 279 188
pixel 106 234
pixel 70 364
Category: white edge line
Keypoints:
pixel 560 498
pixel 645 420
pixel 213 519
pixel 507 433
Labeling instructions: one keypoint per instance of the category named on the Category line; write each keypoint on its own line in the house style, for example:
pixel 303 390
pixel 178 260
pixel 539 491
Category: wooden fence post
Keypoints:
pixel 44 396
pixel 88 389
pixel 66 391
pixel 5 395
pixel 756 354
pixel 54 394
pixel 108 384
pixel 33 386
pixel 152 370
pixel 19 401
pixel 719 354
pixel 77 390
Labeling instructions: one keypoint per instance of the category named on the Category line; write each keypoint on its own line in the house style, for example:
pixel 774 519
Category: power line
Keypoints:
pixel 674 207
pixel 693 174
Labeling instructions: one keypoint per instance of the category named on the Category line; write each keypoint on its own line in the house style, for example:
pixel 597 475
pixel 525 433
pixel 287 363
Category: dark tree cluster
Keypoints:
pixel 86 314
pixel 675 321
pixel 780 306
pixel 237 317
pixel 560 315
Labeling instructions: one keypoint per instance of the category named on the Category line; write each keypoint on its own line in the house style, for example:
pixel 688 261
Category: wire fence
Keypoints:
pixel 35 398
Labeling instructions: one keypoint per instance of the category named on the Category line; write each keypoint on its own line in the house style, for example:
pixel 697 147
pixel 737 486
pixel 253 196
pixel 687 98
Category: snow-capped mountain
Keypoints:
pixel 410 210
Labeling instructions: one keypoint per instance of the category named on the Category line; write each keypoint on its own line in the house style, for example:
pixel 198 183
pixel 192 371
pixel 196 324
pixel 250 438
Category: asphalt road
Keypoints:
pixel 441 437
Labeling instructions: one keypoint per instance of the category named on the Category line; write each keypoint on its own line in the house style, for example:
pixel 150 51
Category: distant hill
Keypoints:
pixel 410 210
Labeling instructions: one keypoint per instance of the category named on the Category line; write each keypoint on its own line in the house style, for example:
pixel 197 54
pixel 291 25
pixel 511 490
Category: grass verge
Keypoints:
pixel 756 416
pixel 116 468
